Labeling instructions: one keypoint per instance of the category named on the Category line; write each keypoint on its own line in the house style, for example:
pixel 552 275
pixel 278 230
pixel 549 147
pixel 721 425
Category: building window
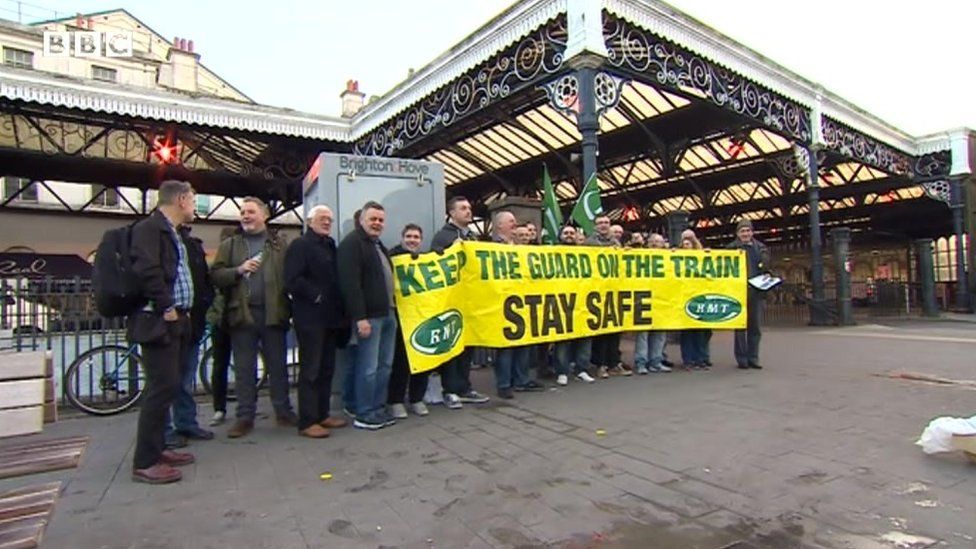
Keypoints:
pixel 203 205
pixel 107 199
pixel 18 58
pixel 20 189
pixel 944 258
pixel 104 74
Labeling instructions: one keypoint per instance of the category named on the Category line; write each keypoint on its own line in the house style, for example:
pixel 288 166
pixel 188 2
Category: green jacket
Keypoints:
pixel 231 307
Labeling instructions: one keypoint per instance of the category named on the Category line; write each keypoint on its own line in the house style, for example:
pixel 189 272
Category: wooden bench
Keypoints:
pixel 25 514
pixel 41 456
pixel 27 390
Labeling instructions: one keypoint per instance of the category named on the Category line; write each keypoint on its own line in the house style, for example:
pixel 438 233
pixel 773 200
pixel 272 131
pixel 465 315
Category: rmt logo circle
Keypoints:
pixel 438 334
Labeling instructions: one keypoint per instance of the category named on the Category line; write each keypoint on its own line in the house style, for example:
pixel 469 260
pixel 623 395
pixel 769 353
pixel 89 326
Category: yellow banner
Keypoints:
pixel 496 295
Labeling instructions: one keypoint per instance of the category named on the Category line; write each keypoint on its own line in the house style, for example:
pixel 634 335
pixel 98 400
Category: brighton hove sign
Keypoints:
pixel 88 44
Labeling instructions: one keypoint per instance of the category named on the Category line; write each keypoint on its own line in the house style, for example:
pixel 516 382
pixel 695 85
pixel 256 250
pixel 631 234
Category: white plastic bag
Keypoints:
pixel 435 391
pixel 937 437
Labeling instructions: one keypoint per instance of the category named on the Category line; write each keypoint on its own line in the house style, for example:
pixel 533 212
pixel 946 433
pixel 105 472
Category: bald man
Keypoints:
pixel 511 363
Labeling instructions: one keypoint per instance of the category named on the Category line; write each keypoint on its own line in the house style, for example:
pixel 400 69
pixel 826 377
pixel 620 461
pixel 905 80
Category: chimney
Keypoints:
pixel 181 69
pixel 352 99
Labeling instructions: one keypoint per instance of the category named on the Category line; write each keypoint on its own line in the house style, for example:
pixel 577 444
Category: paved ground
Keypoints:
pixel 814 451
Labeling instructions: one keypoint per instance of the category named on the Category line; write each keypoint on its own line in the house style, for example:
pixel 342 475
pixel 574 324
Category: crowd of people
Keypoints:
pixel 340 296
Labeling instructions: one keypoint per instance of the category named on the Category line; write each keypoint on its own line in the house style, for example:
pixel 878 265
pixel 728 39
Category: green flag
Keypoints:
pixel 552 217
pixel 588 206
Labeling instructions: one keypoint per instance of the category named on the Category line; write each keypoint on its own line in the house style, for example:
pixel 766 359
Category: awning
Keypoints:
pixel 35 266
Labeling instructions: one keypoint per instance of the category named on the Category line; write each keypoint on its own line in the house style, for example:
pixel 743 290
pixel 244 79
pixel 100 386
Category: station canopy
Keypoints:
pixel 689 120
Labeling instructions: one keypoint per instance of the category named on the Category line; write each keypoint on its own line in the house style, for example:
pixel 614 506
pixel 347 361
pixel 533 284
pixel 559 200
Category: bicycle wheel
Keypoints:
pixel 105 380
pixel 206 366
pixel 203 370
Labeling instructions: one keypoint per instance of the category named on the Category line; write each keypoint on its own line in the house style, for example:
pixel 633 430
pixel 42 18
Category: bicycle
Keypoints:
pixel 120 379
pixel 119 375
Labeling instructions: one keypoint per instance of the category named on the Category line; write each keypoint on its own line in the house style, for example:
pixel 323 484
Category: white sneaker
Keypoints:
pixel 419 408
pixel 562 379
pixel 663 369
pixel 585 377
pixel 218 418
pixel 398 411
pixel 452 401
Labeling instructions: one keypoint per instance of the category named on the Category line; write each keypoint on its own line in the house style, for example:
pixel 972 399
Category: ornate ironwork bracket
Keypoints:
pixel 796 164
pixel 939 190
pixel 564 95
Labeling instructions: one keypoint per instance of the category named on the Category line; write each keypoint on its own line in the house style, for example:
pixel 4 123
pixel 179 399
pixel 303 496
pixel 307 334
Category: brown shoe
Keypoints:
pixel 240 428
pixel 176 459
pixel 333 423
pixel 288 420
pixel 157 474
pixel 315 431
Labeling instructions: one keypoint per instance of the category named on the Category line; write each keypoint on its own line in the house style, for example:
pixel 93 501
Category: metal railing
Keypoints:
pixel 789 304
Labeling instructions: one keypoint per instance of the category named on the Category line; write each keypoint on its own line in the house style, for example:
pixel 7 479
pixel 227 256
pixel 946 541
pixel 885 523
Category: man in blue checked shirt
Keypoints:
pixel 161 264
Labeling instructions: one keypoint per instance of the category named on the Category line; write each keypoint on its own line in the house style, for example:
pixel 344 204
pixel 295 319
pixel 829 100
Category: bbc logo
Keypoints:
pixel 87 44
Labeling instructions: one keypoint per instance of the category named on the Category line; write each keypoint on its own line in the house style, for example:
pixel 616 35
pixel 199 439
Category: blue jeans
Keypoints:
pixel 572 355
pixel 656 341
pixel 640 349
pixel 372 362
pixel 349 378
pixel 184 414
pixel 512 367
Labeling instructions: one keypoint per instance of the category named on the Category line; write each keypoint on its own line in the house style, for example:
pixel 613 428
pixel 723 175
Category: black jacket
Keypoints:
pixel 757 256
pixel 312 281
pixel 399 250
pixel 361 277
pixel 154 262
pixel 155 259
pixel 203 290
pixel 447 235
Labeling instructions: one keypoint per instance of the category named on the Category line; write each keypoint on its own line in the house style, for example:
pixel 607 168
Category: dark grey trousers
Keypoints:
pixel 747 341
pixel 270 341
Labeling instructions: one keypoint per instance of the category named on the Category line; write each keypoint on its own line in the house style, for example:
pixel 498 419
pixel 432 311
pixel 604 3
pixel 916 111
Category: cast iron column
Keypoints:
pixel 962 282
pixel 840 238
pixel 588 122
pixel 818 313
pixel 926 276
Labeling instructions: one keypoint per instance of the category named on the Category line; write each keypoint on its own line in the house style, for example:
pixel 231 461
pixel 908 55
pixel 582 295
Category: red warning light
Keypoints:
pixel 165 151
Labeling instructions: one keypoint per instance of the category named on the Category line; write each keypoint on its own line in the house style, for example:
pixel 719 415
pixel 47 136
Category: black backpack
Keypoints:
pixel 116 286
